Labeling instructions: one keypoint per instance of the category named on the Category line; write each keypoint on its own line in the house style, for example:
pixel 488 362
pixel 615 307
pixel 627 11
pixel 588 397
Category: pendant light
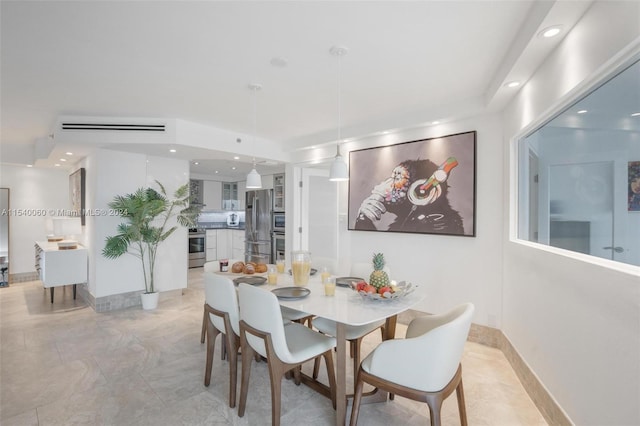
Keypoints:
pixel 339 171
pixel 254 181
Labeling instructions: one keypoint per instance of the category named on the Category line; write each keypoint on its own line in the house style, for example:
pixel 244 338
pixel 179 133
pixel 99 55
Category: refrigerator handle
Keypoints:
pixel 255 217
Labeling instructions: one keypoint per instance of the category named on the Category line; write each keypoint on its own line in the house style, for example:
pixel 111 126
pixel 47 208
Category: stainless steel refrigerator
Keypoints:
pixel 258 226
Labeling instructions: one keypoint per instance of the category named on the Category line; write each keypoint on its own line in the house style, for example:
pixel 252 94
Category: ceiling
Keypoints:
pixel 408 64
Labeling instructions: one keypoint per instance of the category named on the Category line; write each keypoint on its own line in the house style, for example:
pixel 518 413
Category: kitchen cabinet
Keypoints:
pixel 230 199
pixel 196 188
pixel 278 192
pixel 211 245
pixel 223 243
pixel 60 267
pixel 212 194
pixel 237 244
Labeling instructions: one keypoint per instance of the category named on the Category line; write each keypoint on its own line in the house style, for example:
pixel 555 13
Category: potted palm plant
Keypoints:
pixel 147 213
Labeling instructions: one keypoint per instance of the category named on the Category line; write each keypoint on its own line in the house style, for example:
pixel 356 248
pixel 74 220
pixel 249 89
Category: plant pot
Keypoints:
pixel 149 300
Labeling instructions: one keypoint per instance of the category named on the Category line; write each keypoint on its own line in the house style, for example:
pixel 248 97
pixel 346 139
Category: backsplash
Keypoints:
pixel 217 219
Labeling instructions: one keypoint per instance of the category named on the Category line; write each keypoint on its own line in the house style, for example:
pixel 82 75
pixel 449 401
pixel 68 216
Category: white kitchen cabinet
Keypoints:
pixel 60 267
pixel 237 239
pixel 212 244
pixel 212 194
pixel 242 190
pixel 223 243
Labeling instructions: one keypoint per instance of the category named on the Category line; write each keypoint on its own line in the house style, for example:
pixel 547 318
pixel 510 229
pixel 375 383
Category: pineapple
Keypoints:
pixel 378 278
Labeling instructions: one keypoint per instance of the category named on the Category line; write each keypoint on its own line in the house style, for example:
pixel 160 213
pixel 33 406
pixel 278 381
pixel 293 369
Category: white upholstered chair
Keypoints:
pixel 284 347
pixel 425 366
pixel 222 317
pixel 213 266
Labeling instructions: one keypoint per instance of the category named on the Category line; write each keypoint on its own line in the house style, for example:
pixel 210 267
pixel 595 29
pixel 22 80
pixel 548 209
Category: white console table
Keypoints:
pixel 60 267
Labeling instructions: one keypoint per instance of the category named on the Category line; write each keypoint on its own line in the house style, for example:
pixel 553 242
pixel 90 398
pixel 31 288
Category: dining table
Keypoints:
pixel 345 307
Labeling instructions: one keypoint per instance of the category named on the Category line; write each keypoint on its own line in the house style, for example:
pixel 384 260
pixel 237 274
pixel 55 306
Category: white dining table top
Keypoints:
pixel 346 307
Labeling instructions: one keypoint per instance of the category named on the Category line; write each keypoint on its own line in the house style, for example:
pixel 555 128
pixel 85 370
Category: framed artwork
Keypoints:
pixel 634 186
pixel 76 193
pixel 425 186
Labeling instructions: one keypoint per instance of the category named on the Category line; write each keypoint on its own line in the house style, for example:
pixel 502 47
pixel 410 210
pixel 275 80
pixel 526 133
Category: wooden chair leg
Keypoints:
pixel 316 368
pixel 435 404
pixel 247 357
pixel 232 344
pixel 331 374
pixel 296 375
pixel 212 333
pixel 204 325
pixel 461 405
pixel 276 371
pixel 357 398
pixel 356 359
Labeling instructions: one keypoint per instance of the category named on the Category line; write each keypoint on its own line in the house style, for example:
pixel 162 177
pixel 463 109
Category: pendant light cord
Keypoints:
pixel 255 122
pixel 339 103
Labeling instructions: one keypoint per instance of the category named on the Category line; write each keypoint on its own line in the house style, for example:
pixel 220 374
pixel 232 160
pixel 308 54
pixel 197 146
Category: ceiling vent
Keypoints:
pixel 114 127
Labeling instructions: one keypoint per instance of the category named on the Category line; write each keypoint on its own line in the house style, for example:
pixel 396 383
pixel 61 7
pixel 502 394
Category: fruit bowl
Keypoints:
pixel 400 290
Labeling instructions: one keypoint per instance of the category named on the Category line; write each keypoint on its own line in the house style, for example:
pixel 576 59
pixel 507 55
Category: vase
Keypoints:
pixel 149 300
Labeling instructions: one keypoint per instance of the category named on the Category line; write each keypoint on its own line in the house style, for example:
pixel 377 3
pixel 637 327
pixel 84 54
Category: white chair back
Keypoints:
pixel 430 354
pixel 220 294
pixel 260 309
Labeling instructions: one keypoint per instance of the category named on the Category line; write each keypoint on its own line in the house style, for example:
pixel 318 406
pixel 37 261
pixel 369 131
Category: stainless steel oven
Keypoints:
pixel 278 221
pixel 197 248
pixel 277 246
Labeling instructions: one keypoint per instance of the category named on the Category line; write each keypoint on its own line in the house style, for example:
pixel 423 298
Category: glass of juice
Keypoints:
pixel 280 266
pixel 272 274
pixel 325 274
pixel 330 286
pixel 300 267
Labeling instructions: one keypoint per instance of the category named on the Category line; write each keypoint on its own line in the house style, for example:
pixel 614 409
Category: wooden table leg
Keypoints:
pixel 341 374
pixel 390 327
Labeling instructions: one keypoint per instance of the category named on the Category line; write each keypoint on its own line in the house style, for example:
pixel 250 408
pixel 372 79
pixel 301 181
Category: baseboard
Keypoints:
pixel 492 337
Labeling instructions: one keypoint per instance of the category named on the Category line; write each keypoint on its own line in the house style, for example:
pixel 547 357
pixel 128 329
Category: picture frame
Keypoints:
pixel 425 186
pixel 633 186
pixel 77 193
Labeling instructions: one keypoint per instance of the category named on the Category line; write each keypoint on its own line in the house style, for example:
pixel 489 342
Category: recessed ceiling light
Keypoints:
pixel 236 157
pixel 550 31
pixel 69 153
pixel 233 168
pixel 217 171
pixel 172 150
pixel 636 114
pixel 435 122
pixel 512 84
pixel 196 163
pixel 582 111
pixel 29 165
pixel 63 159
pixel 57 165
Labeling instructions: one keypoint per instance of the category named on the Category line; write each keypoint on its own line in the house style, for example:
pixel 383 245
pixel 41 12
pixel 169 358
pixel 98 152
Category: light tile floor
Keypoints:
pixel 64 364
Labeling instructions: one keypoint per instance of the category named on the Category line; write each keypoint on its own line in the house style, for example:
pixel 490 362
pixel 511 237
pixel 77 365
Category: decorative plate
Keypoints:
pixel 250 279
pixel 291 293
pixel 402 289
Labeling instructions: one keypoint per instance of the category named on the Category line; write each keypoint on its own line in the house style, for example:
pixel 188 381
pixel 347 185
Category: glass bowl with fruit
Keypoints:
pixel 385 292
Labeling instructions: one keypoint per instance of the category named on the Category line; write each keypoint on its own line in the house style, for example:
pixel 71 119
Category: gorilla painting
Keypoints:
pixel 414 194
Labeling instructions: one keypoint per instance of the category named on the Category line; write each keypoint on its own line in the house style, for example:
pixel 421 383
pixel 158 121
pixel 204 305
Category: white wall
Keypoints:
pixel 452 269
pixel 575 321
pixel 32 189
pixel 113 173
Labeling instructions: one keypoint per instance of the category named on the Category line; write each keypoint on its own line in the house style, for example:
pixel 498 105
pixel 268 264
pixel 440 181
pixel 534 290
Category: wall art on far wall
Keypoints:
pixel 76 193
pixel 426 186
pixel 634 186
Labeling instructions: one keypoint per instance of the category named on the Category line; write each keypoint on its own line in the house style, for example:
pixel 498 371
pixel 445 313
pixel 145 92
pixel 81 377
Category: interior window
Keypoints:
pixel 579 174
